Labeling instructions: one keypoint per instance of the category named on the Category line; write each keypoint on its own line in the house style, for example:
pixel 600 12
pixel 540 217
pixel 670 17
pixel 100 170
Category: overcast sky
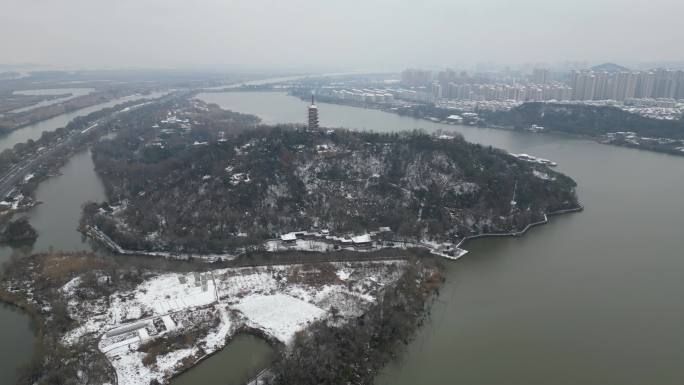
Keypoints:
pixel 336 34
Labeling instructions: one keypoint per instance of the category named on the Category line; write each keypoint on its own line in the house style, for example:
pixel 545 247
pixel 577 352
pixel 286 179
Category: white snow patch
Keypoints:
pixel 279 315
pixel 166 293
pixel 542 175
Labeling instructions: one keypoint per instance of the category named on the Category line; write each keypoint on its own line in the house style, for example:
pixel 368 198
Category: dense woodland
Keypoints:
pixel 18 231
pixel 354 352
pixel 573 119
pixel 219 182
pixel 587 120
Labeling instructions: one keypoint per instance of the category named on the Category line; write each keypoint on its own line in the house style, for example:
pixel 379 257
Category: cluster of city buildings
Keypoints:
pixel 655 94
pixel 449 84
pixel 617 83
pixel 624 85
pixel 365 95
pixel 517 92
pixel 463 92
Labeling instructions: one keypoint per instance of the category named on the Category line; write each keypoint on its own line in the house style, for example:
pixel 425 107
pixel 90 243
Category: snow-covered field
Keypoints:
pixel 211 307
pixel 279 315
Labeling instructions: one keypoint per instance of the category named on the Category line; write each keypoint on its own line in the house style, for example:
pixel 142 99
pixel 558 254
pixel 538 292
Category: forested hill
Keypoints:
pixel 585 120
pixel 169 191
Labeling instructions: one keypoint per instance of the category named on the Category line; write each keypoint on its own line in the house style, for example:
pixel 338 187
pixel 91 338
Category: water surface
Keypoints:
pixel 242 358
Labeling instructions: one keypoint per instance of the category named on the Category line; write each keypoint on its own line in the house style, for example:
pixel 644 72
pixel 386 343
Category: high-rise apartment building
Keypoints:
pixel 416 77
pixel 540 76
pixel 601 85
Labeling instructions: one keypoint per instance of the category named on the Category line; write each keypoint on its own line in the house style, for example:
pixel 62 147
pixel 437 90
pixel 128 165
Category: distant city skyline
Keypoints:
pixel 604 82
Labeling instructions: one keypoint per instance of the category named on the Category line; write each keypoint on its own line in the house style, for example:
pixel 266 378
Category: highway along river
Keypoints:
pixel 33 131
pixel 56 220
pixel 592 298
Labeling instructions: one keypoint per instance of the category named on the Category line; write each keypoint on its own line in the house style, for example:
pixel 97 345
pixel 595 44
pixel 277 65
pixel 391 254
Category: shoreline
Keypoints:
pixel 103 239
pixel 524 230
pixel 243 331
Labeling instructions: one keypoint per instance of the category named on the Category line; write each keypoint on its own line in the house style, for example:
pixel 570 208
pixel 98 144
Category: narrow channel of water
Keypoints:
pixel 592 298
pixel 17 339
pixel 57 216
pixel 16 335
pixel 56 220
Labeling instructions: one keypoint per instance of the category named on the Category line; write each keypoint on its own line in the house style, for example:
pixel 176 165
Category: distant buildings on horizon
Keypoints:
pixel 599 84
pixel 623 85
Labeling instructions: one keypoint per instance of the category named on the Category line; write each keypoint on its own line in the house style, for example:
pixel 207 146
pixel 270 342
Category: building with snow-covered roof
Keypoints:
pixel 363 240
pixel 289 238
pixel 454 119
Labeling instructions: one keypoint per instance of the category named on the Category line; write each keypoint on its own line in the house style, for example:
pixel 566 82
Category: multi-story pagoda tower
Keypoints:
pixel 313 115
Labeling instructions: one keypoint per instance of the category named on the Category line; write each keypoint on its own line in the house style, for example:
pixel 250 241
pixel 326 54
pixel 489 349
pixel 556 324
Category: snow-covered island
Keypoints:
pixel 248 187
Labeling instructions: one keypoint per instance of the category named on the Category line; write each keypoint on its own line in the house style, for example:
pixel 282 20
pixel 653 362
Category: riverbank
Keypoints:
pixel 524 230
pixel 447 250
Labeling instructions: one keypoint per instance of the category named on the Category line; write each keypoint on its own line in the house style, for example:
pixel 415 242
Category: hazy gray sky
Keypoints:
pixel 336 34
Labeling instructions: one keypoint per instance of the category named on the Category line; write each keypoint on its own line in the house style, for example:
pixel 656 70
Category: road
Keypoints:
pixel 10 179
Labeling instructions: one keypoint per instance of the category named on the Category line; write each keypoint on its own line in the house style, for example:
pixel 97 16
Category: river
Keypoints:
pixel 591 298
pixel 56 219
